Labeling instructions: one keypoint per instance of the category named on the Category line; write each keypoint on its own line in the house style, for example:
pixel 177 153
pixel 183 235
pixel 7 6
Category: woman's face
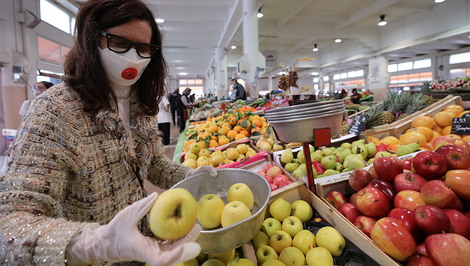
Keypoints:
pixel 137 31
pixel 38 89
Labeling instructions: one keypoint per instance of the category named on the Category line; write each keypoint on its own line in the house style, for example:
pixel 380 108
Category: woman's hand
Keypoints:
pixel 120 240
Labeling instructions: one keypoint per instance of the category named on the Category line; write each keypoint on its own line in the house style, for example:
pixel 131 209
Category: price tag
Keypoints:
pixel 461 125
pixel 358 124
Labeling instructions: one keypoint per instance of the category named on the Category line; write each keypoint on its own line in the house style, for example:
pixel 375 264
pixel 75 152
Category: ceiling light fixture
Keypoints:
pixel 315 48
pixel 439 1
pixel 338 40
pixel 233 47
pixel 259 14
pixel 159 20
pixel 382 21
pixel 183 73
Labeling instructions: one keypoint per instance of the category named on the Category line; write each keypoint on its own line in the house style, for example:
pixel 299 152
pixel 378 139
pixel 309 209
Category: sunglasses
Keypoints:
pixel 120 44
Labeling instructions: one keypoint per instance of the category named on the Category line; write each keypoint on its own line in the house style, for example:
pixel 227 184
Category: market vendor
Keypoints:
pixel 356 97
pixel 73 193
pixel 240 92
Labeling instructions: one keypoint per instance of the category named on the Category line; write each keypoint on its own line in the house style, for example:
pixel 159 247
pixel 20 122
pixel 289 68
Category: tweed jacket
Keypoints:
pixel 70 168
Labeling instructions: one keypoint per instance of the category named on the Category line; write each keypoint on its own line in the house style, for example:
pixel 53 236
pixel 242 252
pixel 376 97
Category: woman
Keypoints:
pixel 38 89
pixel 73 192
pixel 174 98
pixel 164 120
pixel 183 105
pixel 240 91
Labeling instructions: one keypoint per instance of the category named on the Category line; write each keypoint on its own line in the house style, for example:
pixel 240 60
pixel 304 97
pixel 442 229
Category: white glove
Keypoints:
pixel 201 170
pixel 120 240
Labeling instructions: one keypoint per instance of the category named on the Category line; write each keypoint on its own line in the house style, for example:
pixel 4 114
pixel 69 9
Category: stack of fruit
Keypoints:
pixel 427 131
pixel 223 129
pixel 274 176
pixel 267 143
pixel 283 241
pixel 197 156
pixel 417 209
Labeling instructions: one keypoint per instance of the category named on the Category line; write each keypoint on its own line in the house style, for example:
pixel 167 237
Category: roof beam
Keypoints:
pixel 365 12
pixel 292 11
pixel 302 43
pixel 412 6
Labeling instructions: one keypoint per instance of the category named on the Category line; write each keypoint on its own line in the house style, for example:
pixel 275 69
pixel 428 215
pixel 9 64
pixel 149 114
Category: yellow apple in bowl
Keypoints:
pixel 225 257
pixel 209 210
pixel 234 212
pixel 213 262
pixel 303 240
pixel 292 256
pixel 241 262
pixel 241 192
pixel 192 262
pixel 173 214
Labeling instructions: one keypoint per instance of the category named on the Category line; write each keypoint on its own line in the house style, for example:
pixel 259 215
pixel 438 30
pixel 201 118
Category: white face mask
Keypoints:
pixel 123 69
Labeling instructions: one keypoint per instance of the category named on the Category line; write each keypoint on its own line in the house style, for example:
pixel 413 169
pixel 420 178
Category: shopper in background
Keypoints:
pixel 38 89
pixel 174 98
pixel 164 119
pixel 356 97
pixel 240 92
pixel 183 106
pixel 73 193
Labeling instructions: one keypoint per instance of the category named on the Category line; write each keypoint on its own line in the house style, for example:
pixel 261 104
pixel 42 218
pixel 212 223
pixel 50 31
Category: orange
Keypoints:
pixel 214 128
pixel 224 130
pixel 444 118
pixel 248 125
pixel 390 140
pixel 427 132
pixel 413 137
pixel 226 124
pixel 394 147
pixel 232 121
pixel 188 143
pixel 371 139
pixel 428 146
pixel 202 143
pixel 245 132
pixel 263 131
pixel 437 128
pixel 239 136
pixel 436 134
pixel 232 133
pixel 467 139
pixel 446 130
pixel 464 112
pixel 423 121
pixel 453 136
pixel 238 129
pixel 213 144
pixel 223 141
pixel 457 109
pixel 263 119
pixel 256 123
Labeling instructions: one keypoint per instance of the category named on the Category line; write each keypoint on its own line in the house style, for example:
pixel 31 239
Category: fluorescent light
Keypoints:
pixel 338 40
pixel 233 47
pixel 439 1
pixel 159 20
pixel 183 73
pixel 314 73
pixel 315 48
pixel 382 21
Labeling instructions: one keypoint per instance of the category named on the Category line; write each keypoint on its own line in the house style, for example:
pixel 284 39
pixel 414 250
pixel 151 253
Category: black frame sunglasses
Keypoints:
pixel 144 50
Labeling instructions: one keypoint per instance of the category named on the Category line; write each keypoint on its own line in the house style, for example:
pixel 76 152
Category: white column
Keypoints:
pixel 321 85
pixel 270 83
pixel 221 71
pixel 211 81
pixel 250 41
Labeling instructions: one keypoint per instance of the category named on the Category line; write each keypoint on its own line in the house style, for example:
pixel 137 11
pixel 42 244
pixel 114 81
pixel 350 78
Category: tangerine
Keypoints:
pixel 444 118
pixel 457 109
pixel 423 121
pixel 427 132
pixel 214 128
pixel 372 139
pixel 413 137
pixel 223 141
pixel 213 144
pixel 390 140
pixel 238 129
pixel 245 132
pixel 394 147
pixel 232 133
pixel 232 121
pixel 224 130
pixel 256 123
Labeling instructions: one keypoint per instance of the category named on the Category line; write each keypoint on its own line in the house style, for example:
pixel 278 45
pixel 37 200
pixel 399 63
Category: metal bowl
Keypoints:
pixel 231 237
pixel 304 106
pixel 296 117
pixel 326 111
pixel 301 129
pixel 304 110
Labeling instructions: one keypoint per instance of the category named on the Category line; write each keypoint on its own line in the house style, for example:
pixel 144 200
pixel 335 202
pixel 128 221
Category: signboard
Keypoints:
pixel 271 58
pixel 358 124
pixel 378 73
pixel 461 125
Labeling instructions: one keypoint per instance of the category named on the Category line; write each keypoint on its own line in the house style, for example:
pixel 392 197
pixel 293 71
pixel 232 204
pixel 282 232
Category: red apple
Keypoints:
pixel 431 219
pixel 460 143
pixel 388 168
pixel 409 181
pixel 373 172
pixel 456 156
pixel 391 237
pixel 459 223
pixel 353 197
pixel 274 171
pixel 270 179
pixel 385 187
pixel 261 173
pixel 350 211
pixel 440 139
pixel 372 202
pixel 406 217
pixel 364 223
pixel 421 249
pixel 457 205
pixel 448 249
pixel 407 164
pixel 418 260
pixel 279 179
pixel 359 178
pixel 273 187
pixel 467 214
pixel 459 182
pixel 408 199
pixel 285 183
pixel 336 198
pixel 266 167
pixel 437 193
pixel 429 165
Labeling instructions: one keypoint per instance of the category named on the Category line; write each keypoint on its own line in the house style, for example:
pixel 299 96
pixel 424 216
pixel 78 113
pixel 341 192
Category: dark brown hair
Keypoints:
pixel 83 70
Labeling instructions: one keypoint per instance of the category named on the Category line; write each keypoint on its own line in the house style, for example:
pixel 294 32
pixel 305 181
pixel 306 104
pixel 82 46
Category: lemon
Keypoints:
pixel 217 160
pixel 242 148
pixel 232 154
pixel 190 163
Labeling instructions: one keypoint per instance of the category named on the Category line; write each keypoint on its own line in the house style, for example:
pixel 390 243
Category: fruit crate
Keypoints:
pixel 326 212
pixel 232 144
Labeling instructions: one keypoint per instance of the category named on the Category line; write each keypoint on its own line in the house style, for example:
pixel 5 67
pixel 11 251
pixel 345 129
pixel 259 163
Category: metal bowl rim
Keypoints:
pixel 303 119
pixel 306 110
pixel 303 114
pixel 307 105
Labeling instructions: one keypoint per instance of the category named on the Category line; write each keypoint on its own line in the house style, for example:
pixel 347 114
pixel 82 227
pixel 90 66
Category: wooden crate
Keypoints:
pixel 379 131
pixel 336 219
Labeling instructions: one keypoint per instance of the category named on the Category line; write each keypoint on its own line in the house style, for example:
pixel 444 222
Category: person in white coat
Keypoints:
pixel 164 119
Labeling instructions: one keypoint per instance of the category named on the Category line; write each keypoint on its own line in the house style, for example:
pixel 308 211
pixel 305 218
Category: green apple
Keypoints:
pixel 319 256
pixel 371 149
pixel 327 152
pixel 346 145
pixel 280 240
pixel 260 239
pixel 241 192
pixel 304 240
pixel 331 239
pixel 201 258
pixel 192 262
pixel 225 257
pixel 291 167
pixel 329 172
pixel 234 212
pixel 292 256
pixel 173 214
pixel 273 263
pixel 270 225
pixel 344 154
pixel 241 262
pixel 280 209
pixel 265 253
pixel 292 225
pixel 195 148
pixel 190 155
pixel 329 162
pixel 383 154
pixel 302 210
pixel 209 210
pixel 349 158
pixel 213 262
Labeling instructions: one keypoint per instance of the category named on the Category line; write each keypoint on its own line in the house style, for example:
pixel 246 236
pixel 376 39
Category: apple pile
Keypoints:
pixel 227 258
pixel 274 176
pixel 282 240
pixel 416 210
